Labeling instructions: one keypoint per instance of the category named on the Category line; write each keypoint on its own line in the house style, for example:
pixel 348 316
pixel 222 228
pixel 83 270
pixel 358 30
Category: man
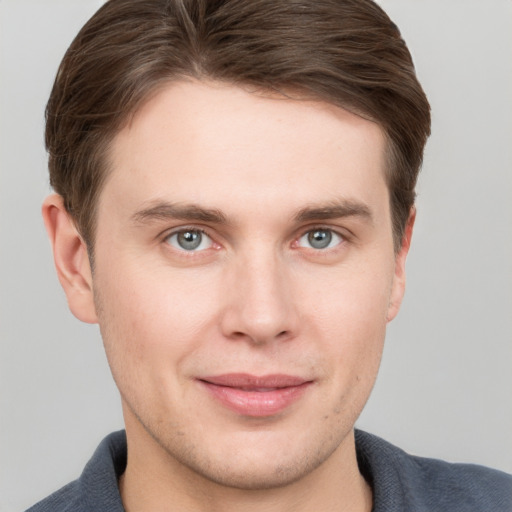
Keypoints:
pixel 234 206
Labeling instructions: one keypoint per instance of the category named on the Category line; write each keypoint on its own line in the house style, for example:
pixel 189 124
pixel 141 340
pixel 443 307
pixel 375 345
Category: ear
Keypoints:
pixel 398 287
pixel 71 259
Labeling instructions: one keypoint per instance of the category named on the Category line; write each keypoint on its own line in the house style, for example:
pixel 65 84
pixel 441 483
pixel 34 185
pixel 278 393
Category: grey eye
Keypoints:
pixel 320 239
pixel 190 240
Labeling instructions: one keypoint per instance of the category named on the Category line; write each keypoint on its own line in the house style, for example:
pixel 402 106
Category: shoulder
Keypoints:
pixel 466 486
pixel 66 499
pixel 425 484
pixel 96 490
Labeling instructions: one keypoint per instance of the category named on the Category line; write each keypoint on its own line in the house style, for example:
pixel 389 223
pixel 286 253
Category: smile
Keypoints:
pixel 254 396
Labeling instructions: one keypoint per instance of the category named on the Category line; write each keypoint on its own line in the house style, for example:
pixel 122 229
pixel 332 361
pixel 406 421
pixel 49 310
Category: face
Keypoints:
pixel 244 276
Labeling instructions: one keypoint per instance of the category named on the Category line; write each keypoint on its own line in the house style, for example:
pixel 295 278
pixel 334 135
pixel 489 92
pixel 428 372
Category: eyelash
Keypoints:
pixel 189 229
pixel 344 238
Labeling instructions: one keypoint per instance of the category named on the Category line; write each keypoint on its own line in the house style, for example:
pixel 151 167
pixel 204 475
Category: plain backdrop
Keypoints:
pixel 445 386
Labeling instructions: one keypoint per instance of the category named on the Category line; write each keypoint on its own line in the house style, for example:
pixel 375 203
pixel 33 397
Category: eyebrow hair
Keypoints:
pixel 164 210
pixel 334 210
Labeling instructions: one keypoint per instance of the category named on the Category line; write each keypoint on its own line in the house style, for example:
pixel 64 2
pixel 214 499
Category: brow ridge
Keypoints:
pixel 333 210
pixel 164 210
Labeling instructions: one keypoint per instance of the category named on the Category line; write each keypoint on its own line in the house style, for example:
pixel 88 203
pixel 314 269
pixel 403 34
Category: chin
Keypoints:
pixel 256 477
pixel 255 462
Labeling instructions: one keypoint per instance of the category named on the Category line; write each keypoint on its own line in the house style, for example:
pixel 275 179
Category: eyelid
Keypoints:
pixel 167 234
pixel 341 232
pixel 344 235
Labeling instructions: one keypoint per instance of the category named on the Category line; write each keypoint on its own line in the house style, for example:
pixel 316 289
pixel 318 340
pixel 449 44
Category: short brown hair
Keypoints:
pixel 345 52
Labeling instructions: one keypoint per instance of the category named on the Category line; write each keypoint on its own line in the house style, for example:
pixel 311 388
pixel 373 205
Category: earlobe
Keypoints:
pixel 398 288
pixel 71 259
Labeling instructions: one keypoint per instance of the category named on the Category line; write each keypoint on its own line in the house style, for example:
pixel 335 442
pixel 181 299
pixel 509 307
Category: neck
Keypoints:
pixel 154 480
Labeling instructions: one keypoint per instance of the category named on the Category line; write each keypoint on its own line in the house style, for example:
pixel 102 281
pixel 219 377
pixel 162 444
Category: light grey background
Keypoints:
pixel 445 387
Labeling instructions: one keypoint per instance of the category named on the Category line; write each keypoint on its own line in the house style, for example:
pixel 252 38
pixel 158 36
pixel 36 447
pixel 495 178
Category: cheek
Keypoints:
pixel 349 316
pixel 356 342
pixel 150 319
pixel 353 301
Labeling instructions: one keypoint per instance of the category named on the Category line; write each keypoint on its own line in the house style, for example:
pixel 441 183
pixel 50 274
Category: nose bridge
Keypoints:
pixel 260 306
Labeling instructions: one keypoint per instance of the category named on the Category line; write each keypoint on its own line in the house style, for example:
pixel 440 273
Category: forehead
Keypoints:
pixel 199 141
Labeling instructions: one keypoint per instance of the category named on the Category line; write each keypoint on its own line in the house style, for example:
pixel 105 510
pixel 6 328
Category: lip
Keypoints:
pixel 255 396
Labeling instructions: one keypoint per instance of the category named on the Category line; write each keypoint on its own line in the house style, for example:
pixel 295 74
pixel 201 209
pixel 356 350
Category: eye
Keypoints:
pixel 320 238
pixel 190 240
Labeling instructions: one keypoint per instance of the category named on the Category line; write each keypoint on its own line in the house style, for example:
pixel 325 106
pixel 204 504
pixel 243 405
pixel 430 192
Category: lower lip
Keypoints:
pixel 256 403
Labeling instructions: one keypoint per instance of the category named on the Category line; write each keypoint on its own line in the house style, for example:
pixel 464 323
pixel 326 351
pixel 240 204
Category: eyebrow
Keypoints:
pixel 163 210
pixel 335 210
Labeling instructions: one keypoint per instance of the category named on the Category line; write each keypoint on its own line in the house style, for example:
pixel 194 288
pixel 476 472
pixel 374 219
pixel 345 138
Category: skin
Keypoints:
pixel 256 297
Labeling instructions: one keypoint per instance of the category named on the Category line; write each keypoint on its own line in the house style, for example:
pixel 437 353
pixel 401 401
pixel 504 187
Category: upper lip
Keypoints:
pixel 245 380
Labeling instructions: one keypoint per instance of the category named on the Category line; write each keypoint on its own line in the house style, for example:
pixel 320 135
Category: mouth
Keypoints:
pixel 255 396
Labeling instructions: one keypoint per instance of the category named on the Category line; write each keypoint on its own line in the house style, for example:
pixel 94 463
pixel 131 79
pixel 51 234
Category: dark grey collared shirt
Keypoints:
pixel 400 482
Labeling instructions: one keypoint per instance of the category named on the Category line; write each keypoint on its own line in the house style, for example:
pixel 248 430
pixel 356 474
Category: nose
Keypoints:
pixel 260 306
